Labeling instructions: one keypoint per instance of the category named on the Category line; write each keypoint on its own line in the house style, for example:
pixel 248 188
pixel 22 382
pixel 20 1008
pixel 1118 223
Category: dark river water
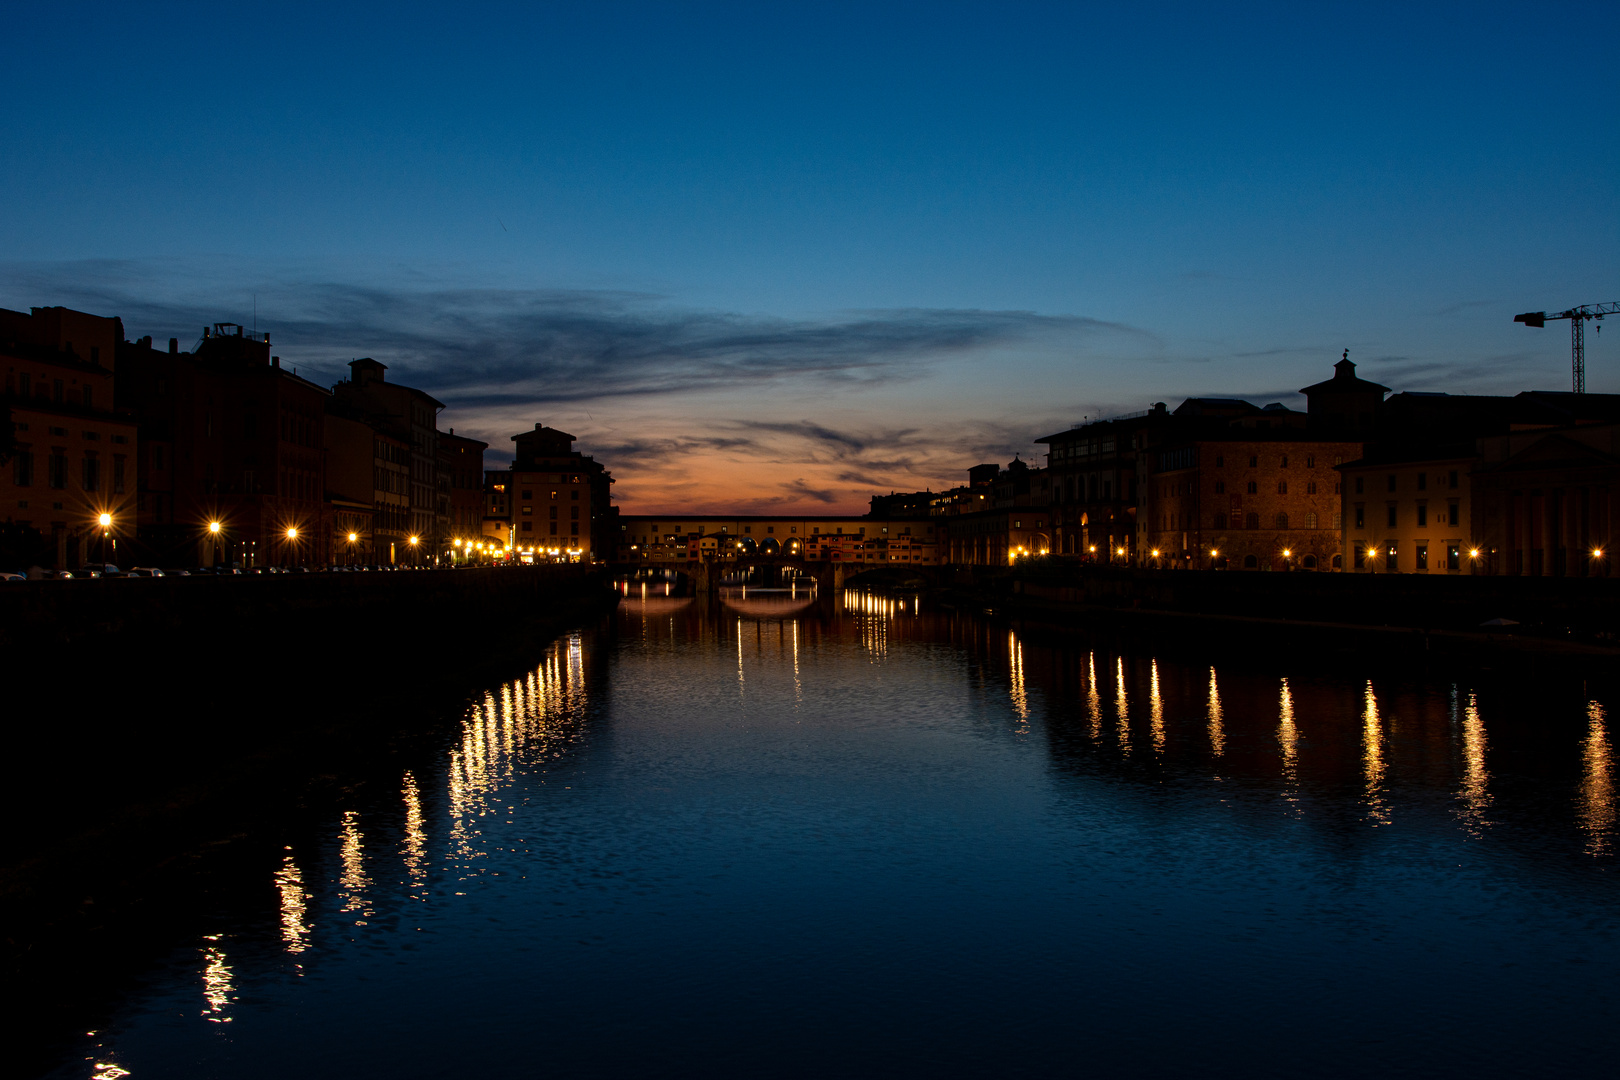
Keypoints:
pixel 856 839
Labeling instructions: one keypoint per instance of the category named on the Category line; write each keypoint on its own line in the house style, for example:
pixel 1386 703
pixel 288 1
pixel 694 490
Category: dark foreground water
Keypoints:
pixel 856 840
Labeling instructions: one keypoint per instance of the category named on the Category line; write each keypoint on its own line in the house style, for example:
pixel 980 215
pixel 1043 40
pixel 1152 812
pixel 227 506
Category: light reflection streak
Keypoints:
pixel 798 688
pixel 1093 698
pixel 1121 706
pixel 1020 699
pixel 415 840
pixel 1217 717
pixel 1474 792
pixel 1288 735
pixel 1595 799
pixel 1373 766
pixel 106 1070
pixel 1156 710
pixel 354 882
pixel 742 681
pixel 294 906
pixel 217 988
pixel 526 720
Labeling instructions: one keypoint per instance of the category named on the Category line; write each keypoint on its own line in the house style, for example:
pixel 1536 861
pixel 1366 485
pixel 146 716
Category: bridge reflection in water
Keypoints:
pixel 687 781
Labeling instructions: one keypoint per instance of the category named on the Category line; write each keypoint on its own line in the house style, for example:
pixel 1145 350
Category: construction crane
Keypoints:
pixel 1577 317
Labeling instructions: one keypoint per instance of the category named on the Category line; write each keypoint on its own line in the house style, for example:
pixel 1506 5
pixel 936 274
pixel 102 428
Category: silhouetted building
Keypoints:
pixel 406 416
pixel 71 452
pixel 236 440
pixel 559 501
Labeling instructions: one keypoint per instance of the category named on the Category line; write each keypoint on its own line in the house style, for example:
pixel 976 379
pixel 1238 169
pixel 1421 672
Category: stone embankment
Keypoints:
pixel 1475 616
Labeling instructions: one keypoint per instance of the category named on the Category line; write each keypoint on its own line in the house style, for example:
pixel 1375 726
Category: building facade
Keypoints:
pixel 71 452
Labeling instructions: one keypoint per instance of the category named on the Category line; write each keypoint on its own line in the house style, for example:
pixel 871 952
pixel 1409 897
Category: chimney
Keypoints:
pixel 174 346
pixel 275 361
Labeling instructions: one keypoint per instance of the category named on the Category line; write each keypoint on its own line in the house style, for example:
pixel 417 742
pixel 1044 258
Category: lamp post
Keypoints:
pixel 105 521
pixel 292 539
pixel 414 541
pixel 213 536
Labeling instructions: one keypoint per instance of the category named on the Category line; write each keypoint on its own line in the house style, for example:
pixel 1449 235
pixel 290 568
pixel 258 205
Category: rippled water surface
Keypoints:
pixel 848 838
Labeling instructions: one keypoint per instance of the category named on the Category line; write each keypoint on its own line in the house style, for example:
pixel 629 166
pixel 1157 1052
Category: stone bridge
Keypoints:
pixel 707 575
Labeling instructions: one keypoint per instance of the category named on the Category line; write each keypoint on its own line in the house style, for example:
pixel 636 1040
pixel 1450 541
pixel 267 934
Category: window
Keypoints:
pixel 24 385
pixel 1282 521
pixel 1310 520
pixel 574 529
pixel 118 474
pixel 1250 562
pixel 1251 521
pixel 1453 515
pixel 1282 487
pixel 89 398
pixel 1310 562
pixel 573 512
pixel 22 469
pixel 528 509
pixel 1360 486
pixel 57 392
pixel 1452 479
pixel 1453 556
pixel 1393 559
pixel 1220 461
pixel 1253 461
pixel 1254 488
pixel 1423 481
pixel 1361 556
pixel 1391 521
pixel 528 526
pixel 553 513
pixel 1220 487
pixel 1285 461
pixel 1391 481
pixel 1310 463
pixel 1220 521
pixel 553 528
pixel 574 494
pixel 91 476
pixel 1338 521
pixel 1421 556
pixel 1361 516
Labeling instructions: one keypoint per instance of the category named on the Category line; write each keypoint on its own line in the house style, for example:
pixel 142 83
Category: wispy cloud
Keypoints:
pixel 484 348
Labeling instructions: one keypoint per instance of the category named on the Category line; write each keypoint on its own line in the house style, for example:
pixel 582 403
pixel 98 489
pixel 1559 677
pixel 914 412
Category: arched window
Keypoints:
pixel 1310 562
pixel 1282 521
pixel 1310 520
pixel 1251 521
pixel 1338 562
pixel 1250 562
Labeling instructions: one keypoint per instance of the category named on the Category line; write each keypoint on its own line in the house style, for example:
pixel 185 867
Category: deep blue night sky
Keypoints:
pixel 793 256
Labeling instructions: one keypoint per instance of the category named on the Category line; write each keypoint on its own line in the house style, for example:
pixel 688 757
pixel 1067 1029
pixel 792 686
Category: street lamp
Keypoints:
pixel 414 541
pixel 105 521
pixel 213 535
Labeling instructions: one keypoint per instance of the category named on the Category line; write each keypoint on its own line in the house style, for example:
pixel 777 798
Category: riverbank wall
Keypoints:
pixel 1462 614
pixel 144 701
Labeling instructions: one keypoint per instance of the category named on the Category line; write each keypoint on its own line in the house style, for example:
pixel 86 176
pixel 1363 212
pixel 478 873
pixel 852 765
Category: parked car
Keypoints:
pixel 145 571
pixel 12 575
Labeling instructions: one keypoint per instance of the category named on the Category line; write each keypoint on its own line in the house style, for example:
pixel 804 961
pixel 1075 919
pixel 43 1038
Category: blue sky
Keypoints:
pixel 773 255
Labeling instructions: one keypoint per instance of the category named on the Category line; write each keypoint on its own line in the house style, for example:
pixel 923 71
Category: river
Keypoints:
pixel 856 837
